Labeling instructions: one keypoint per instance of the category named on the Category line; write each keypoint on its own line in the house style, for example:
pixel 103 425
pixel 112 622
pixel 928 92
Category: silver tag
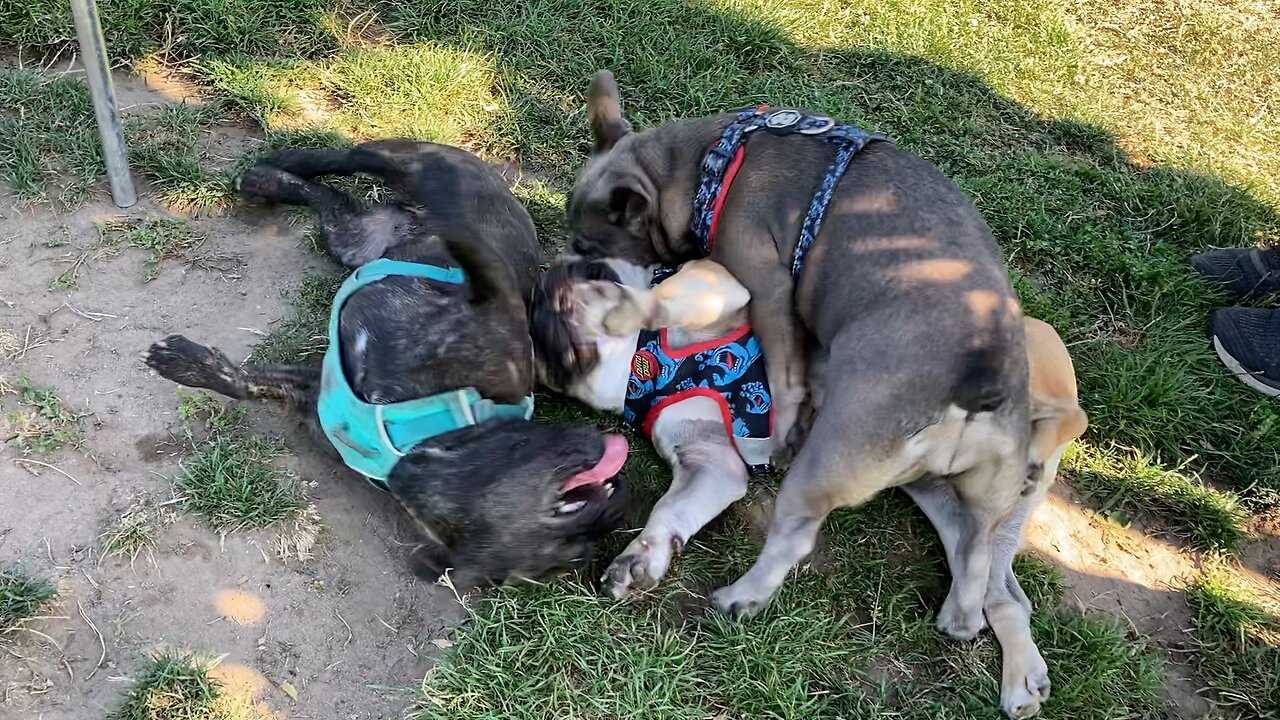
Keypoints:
pixel 782 119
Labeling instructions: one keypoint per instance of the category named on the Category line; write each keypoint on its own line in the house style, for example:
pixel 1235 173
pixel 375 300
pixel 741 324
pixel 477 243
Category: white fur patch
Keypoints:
pixel 957 442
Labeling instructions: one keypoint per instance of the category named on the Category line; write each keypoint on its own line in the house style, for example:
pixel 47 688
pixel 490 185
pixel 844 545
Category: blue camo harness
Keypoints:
pixel 728 369
pixel 371 438
pixel 721 163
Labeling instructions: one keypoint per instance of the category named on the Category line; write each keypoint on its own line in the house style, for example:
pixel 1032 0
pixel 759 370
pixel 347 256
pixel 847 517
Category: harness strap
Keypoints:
pixel 371 438
pixel 722 161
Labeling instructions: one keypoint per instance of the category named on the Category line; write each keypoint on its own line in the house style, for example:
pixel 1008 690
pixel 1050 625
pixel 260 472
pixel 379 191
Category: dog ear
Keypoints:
pixel 604 108
pixel 486 280
pixel 629 208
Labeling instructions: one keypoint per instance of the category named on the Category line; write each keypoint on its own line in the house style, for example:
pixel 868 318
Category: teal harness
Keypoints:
pixel 372 438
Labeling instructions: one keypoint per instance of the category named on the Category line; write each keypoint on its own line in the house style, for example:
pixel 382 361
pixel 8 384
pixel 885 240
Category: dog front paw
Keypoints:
pixel 641 566
pixel 960 623
pixel 191 364
pixel 740 601
pixel 1025 687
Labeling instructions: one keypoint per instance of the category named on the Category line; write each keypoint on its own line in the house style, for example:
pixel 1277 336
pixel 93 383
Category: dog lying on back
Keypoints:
pixel 588 317
pixel 441 320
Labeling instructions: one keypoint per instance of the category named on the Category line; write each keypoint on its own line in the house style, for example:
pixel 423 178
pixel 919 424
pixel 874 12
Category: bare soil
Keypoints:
pixel 349 629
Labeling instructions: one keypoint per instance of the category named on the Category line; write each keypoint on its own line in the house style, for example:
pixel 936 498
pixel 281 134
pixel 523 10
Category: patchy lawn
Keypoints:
pixel 1103 142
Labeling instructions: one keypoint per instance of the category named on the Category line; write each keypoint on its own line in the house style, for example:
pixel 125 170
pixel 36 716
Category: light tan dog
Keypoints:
pixel 1056 416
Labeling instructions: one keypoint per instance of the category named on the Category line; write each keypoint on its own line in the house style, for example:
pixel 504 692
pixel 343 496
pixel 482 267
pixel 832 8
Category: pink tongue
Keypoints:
pixel 610 464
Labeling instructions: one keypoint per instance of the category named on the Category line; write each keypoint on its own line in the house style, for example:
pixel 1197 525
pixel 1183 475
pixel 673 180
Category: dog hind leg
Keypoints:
pixel 355 235
pixel 1025 676
pixel 190 364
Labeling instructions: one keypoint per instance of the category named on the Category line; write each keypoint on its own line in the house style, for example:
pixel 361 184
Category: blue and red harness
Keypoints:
pixel 728 369
pixel 731 369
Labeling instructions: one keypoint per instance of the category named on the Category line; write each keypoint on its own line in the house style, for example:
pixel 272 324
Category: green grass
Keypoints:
pixel 1199 515
pixel 1241 651
pixel 232 480
pixel 162 238
pixel 233 483
pixel 1103 142
pixel 179 685
pixel 21 596
pixel 41 423
pixel 135 531
pixel 49 145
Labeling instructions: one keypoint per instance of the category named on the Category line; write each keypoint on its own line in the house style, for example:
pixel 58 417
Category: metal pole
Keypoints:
pixel 97 68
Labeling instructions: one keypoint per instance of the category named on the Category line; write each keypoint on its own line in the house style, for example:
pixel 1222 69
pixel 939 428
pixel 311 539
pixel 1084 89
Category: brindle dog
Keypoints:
pixel 497 501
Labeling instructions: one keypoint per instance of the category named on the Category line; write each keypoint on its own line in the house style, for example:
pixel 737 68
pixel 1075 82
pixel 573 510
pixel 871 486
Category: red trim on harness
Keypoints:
pixel 684 351
pixel 738 156
pixel 676 397
pixel 729 172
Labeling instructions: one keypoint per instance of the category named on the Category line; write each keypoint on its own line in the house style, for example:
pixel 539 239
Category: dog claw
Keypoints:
pixel 736 608
pixel 1025 700
pixel 640 567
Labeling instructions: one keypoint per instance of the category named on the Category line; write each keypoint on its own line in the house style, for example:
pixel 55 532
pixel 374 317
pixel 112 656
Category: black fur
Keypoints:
pixel 485 497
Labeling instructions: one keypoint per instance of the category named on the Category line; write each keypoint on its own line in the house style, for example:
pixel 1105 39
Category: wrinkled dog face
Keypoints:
pixel 560 355
pixel 512 500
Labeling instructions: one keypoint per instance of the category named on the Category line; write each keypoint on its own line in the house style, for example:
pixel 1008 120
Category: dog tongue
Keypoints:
pixel 610 464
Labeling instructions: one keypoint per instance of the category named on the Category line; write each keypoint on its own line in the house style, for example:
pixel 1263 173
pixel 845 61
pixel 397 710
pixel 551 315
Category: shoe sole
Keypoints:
pixel 1238 370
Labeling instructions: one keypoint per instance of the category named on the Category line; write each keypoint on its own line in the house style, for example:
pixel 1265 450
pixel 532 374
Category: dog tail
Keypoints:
pixel 486 280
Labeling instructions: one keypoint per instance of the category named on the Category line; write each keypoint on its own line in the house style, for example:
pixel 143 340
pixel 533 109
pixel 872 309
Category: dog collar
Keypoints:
pixel 371 438
pixel 722 161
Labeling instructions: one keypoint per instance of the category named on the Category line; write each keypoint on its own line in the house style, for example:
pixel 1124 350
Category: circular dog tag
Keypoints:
pixel 816 125
pixel 782 119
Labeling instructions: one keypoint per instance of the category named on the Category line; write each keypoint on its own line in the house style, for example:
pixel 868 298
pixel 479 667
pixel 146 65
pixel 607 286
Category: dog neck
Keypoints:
pixel 671 155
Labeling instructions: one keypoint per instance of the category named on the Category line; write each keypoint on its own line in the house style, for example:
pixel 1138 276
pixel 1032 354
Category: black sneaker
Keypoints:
pixel 1248 342
pixel 1244 272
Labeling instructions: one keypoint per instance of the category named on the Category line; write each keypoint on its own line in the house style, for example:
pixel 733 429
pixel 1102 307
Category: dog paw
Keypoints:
pixel 959 623
pixel 1025 690
pixel 641 566
pixel 739 602
pixel 191 364
pixel 264 183
pixel 606 308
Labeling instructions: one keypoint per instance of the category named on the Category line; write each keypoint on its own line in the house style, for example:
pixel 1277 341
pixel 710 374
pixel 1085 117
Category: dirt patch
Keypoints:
pixel 1125 573
pixel 340 628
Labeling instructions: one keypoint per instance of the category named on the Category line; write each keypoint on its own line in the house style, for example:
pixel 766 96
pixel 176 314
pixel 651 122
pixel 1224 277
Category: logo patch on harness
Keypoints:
pixel 644 365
